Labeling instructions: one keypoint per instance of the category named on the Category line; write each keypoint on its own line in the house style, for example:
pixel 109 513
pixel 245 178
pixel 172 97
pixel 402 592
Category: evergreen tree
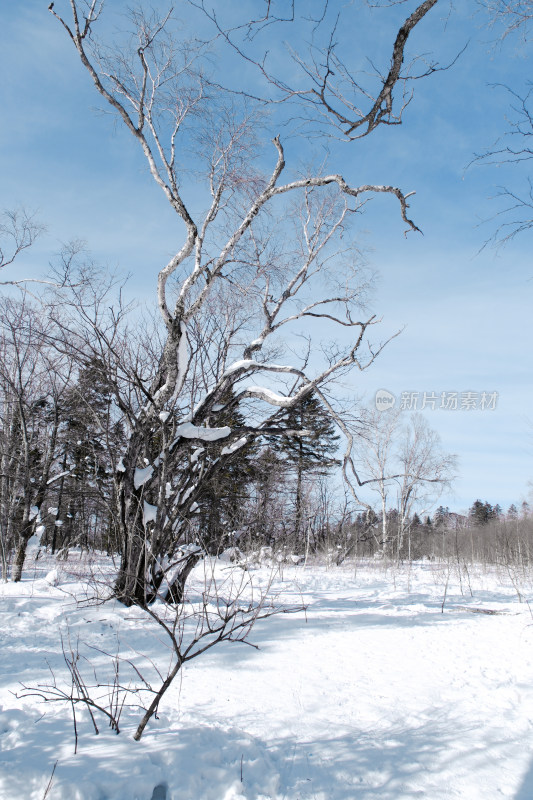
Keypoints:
pixel 224 498
pixel 89 440
pixel 307 454
pixel 370 518
pixel 267 523
pixel 481 513
pixel 441 515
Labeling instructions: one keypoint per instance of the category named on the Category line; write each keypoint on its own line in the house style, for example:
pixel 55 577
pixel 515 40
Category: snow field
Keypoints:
pixel 371 692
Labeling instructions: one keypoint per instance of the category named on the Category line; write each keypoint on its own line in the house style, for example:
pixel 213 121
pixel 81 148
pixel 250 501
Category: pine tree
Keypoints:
pixel 481 513
pixel 441 516
pixel 268 518
pixel 89 439
pixel 307 454
pixel 224 498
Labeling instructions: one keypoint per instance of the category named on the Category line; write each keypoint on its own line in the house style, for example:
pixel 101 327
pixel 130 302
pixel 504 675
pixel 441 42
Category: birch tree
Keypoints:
pixel 408 467
pixel 426 472
pixel 274 240
pixel 376 456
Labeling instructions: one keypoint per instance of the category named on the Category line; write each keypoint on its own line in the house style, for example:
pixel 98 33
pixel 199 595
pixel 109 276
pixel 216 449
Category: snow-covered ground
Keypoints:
pixel 372 692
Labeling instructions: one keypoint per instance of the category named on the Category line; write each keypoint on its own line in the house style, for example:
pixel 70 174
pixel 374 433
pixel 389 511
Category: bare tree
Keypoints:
pixel 513 148
pixel 157 85
pixel 375 453
pixel 408 467
pixel 32 381
pixel 222 607
pixel 512 18
pixel 426 471
pixel 330 98
pixel 18 231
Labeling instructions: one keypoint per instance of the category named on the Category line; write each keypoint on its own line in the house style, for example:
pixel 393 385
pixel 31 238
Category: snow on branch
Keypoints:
pixel 189 431
pixel 248 364
pixel 269 396
pixel 232 448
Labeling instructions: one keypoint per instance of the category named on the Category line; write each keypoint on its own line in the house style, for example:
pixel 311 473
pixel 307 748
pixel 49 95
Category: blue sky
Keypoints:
pixel 466 310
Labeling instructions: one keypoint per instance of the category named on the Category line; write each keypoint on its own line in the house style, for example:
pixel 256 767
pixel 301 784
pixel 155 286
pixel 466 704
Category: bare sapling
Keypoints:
pixel 223 604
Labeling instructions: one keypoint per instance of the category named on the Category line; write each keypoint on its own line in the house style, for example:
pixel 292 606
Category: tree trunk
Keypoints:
pixel 59 501
pixel 140 576
pixel 384 520
pixel 18 562
pixel 20 553
pixel 131 584
pixel 299 499
pixel 176 591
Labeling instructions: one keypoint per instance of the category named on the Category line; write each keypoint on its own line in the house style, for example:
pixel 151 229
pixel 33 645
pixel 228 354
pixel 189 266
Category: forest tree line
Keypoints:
pixel 63 435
